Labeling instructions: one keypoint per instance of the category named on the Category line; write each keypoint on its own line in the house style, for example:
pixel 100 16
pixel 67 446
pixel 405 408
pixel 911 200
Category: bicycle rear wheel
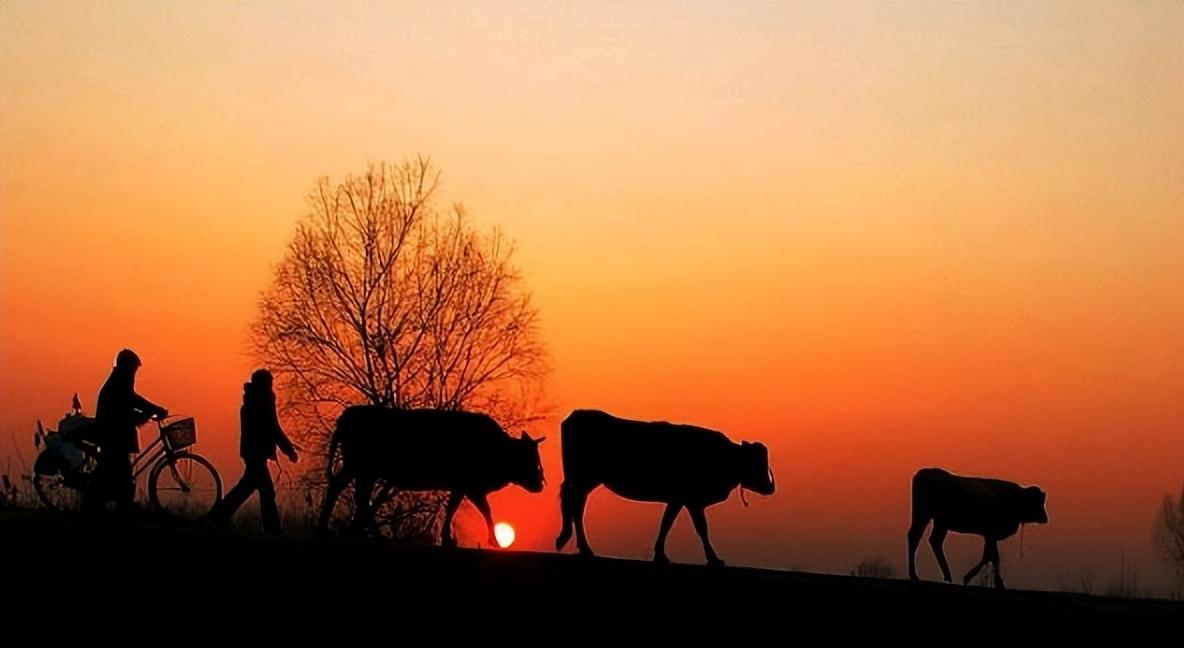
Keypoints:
pixel 56 494
pixel 186 485
pixel 62 492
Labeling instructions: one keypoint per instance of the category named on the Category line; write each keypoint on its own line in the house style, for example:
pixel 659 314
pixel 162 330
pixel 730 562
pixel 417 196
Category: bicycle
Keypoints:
pixel 179 482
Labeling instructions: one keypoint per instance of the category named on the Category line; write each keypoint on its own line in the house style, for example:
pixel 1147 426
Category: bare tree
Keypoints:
pixel 1169 532
pixel 384 297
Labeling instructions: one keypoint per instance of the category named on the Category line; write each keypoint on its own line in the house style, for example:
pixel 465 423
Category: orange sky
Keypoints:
pixel 875 236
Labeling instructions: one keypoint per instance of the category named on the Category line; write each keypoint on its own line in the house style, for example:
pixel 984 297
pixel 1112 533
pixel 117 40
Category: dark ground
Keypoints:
pixel 151 569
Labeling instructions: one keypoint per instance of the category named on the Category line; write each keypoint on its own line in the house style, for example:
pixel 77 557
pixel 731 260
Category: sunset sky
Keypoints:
pixel 877 237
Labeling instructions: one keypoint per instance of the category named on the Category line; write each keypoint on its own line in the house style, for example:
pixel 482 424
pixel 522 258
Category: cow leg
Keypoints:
pixel 916 531
pixel 567 524
pixel 482 505
pixel 454 499
pixel 578 499
pixel 699 517
pixel 937 538
pixel 571 503
pixel 668 516
pixel 336 484
pixel 363 516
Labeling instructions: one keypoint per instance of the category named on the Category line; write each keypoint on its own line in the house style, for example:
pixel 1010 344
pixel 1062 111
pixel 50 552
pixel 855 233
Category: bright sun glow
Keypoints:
pixel 504 533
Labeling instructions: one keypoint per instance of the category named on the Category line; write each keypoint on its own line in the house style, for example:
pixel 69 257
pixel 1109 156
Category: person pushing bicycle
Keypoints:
pixel 119 411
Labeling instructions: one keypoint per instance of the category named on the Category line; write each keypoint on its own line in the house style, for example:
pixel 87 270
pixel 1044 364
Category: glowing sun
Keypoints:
pixel 504 534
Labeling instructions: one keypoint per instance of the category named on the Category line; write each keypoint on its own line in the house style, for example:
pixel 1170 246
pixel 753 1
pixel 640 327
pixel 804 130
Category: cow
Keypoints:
pixel 465 453
pixel 680 465
pixel 991 508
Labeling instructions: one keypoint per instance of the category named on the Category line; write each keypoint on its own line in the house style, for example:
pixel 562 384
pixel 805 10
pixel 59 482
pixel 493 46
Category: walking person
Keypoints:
pixel 261 434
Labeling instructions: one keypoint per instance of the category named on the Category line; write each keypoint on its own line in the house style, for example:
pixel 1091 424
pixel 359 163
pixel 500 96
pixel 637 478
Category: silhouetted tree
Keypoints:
pixel 385 297
pixel 1169 532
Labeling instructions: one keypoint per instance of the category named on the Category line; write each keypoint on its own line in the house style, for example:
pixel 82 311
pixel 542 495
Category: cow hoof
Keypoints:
pixel 448 543
pixel 715 562
pixel 587 553
pixel 661 559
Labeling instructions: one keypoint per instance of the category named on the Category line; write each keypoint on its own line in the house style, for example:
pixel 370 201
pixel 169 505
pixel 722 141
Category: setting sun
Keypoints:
pixel 504 533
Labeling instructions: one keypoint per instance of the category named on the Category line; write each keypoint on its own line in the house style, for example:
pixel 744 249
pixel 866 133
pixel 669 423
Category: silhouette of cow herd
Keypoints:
pixel 683 466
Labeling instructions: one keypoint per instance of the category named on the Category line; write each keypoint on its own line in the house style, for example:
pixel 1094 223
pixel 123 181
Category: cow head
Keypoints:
pixel 527 467
pixel 1033 506
pixel 755 473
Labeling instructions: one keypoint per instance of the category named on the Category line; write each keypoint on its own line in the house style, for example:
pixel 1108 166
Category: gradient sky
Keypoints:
pixel 877 237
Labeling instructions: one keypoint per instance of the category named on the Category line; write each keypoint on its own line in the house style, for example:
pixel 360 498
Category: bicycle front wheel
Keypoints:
pixel 186 485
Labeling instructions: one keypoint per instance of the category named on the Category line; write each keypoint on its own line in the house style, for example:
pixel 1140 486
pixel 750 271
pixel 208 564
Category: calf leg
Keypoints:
pixel 454 499
pixel 482 505
pixel 668 516
pixel 981 563
pixel 992 552
pixel 937 538
pixel 915 532
pixel 699 517
pixel 990 555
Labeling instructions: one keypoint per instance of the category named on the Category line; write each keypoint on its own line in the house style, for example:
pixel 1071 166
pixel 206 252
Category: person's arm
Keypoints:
pixel 147 406
pixel 281 439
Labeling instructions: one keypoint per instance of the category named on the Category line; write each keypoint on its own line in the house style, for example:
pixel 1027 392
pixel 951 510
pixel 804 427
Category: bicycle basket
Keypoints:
pixel 180 434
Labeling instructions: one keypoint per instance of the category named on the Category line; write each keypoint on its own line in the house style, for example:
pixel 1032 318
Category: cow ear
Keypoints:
pixel 539 440
pixel 525 436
